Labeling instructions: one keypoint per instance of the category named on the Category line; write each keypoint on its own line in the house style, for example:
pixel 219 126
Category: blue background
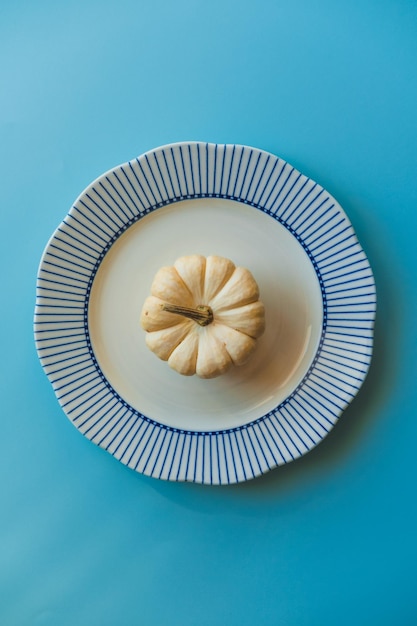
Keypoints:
pixel 329 86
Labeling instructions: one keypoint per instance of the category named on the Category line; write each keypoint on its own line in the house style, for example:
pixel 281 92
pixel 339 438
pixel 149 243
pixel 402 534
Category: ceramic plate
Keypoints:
pixel 314 279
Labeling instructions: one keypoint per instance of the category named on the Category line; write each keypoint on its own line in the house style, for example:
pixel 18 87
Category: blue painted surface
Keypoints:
pixel 332 89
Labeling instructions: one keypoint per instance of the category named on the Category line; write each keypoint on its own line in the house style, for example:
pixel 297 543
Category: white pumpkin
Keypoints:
pixel 204 315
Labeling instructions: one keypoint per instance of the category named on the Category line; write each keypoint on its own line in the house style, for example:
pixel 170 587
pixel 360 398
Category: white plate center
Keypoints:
pixel 288 285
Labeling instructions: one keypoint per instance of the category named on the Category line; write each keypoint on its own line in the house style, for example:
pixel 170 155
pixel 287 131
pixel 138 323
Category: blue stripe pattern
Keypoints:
pixel 122 197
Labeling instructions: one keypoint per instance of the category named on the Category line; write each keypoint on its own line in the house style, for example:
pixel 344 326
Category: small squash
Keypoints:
pixel 204 315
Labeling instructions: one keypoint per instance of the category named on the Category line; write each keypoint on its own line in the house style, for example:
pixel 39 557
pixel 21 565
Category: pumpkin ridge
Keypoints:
pixel 248 319
pixel 232 342
pixel 151 319
pixel 240 289
pixel 163 342
pixel 212 356
pixel 222 284
pixel 194 279
pixel 166 273
pixel 184 283
pixel 238 305
pixel 227 270
pixel 183 358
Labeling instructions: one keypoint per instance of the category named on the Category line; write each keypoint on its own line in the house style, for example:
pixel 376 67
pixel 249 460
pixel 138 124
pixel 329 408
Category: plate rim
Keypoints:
pixel 252 452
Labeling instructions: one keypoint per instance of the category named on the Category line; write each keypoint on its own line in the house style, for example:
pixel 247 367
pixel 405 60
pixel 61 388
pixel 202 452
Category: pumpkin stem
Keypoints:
pixel 202 314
